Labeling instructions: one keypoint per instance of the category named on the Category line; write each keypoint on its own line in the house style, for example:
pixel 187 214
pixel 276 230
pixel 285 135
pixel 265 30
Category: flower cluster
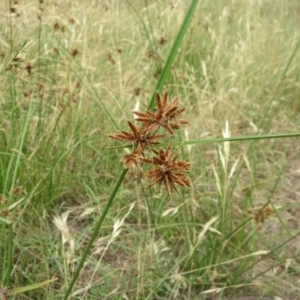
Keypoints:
pixel 167 169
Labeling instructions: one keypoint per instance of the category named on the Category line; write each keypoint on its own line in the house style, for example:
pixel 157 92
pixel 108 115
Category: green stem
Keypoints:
pixel 239 138
pixel 10 255
pixel 148 207
pixel 222 140
pixel 167 67
pixel 95 233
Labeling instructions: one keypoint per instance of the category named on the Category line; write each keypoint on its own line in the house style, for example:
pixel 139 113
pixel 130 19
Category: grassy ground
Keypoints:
pixel 72 72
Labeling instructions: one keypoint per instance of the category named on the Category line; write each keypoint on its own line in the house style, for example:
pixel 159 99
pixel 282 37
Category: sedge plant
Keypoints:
pixel 136 156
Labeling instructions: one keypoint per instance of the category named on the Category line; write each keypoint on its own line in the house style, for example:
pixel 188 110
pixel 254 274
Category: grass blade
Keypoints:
pixel 167 67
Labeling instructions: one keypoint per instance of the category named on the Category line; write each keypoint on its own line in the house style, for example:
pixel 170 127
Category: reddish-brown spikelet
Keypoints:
pixel 167 170
pixel 132 160
pixel 165 114
pixel 140 137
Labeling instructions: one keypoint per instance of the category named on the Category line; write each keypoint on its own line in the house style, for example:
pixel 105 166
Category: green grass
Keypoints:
pixel 237 62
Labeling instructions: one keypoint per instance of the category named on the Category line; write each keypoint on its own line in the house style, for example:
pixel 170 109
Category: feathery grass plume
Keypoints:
pixel 166 169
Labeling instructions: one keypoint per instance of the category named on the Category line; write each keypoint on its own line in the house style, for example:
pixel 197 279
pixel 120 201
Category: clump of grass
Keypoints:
pixel 70 75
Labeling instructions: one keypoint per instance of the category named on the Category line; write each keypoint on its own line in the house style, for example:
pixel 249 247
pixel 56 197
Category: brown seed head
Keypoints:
pixel 132 160
pixel 167 170
pixel 140 137
pixel 165 114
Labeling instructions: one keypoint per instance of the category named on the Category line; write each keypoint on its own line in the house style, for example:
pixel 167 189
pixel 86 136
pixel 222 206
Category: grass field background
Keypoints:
pixel 72 72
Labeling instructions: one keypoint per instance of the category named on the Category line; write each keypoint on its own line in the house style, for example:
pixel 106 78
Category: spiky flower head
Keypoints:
pixel 132 160
pixel 140 137
pixel 167 170
pixel 165 114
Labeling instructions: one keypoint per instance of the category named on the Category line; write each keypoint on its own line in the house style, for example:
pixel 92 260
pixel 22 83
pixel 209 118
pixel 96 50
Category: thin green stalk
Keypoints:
pixel 15 163
pixel 167 67
pixel 11 28
pixel 149 35
pixel 39 63
pixel 148 206
pixel 9 255
pixel 222 140
pixel 287 67
pixel 240 138
pixel 154 45
pixel 272 252
pixel 95 234
pixel 85 80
